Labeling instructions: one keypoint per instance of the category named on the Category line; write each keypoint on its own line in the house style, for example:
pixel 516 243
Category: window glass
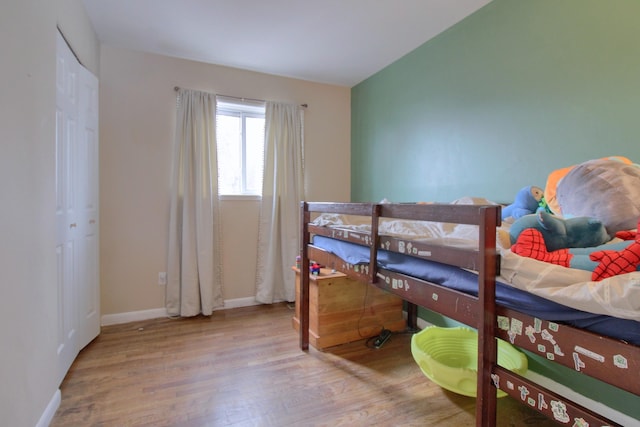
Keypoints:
pixel 240 144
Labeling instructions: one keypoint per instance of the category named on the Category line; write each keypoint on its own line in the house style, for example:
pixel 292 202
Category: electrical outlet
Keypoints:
pixel 162 278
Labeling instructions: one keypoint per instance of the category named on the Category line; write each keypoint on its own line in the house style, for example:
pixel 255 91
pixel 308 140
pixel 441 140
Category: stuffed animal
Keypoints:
pixel 603 261
pixel 612 263
pixel 605 189
pixel 559 233
pixel 528 200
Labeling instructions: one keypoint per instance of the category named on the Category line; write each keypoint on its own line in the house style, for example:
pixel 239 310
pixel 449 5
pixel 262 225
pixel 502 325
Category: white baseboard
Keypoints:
pixel 133 316
pixel 239 302
pixel 421 322
pixel 50 410
pixel 154 313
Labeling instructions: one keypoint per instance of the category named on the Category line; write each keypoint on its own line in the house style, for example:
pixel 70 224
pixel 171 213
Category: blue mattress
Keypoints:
pixel 467 282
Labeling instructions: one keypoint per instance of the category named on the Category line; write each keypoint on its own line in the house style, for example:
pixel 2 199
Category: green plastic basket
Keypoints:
pixel 449 358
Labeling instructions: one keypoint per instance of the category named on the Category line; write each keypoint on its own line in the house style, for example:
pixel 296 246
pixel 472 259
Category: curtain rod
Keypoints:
pixel 176 88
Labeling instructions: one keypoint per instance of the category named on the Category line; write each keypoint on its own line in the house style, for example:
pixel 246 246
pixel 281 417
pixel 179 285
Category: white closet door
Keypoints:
pixel 87 286
pixel 66 212
pixel 76 206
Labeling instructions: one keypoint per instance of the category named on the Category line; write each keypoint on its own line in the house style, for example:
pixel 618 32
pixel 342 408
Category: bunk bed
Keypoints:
pixel 571 337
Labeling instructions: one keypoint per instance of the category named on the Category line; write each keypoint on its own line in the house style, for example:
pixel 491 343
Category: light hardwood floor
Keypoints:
pixel 243 367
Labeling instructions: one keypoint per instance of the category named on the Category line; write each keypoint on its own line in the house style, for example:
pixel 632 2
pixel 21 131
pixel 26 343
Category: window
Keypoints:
pixel 240 144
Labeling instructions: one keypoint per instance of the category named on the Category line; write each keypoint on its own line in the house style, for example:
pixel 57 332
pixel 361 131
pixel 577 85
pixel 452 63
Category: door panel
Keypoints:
pixel 66 221
pixel 88 285
pixel 76 213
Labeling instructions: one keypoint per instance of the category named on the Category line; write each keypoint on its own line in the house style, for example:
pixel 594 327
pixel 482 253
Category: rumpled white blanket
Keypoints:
pixel 617 296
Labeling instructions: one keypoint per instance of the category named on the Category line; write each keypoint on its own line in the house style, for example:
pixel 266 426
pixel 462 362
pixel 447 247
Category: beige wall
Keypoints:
pixel 137 116
pixel 28 299
pixel 78 32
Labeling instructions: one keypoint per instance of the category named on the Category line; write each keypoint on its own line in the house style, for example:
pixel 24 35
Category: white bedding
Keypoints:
pixel 617 296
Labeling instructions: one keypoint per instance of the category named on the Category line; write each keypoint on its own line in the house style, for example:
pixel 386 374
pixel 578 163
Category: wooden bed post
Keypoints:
pixel 412 316
pixel 486 403
pixel 373 256
pixel 305 217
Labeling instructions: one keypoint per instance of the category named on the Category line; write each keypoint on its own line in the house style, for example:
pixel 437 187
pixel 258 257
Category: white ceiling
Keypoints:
pixel 328 41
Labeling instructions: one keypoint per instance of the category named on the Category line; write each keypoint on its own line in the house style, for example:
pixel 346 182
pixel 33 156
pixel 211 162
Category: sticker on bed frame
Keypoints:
pixel 577 362
pixel 360 269
pixel 364 269
pixel 580 422
pixel 591 354
pixel 356 236
pixel 399 284
pixel 516 326
pixel 496 380
pixel 557 350
pixel 530 332
pixel 559 410
pixel 503 323
pixel 554 326
pixel 620 361
pixel 542 404
pixel 524 392
pixel 401 246
pixel 411 249
pixel 537 324
pixel 547 336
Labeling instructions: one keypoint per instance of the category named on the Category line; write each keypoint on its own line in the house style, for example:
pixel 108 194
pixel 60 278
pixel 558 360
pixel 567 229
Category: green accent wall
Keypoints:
pixel 498 101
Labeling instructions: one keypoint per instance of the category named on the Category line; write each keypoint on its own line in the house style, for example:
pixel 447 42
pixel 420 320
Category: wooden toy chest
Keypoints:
pixel 342 310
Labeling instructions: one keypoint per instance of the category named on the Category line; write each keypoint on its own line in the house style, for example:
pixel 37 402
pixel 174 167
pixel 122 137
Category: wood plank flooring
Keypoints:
pixel 243 367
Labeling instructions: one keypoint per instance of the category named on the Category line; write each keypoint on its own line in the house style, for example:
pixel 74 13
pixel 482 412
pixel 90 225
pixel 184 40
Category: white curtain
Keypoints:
pixel 282 191
pixel 194 271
